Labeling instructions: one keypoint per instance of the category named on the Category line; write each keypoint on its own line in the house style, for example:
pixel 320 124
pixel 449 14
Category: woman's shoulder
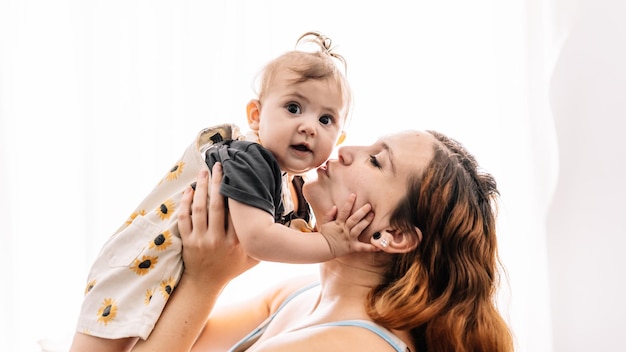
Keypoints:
pixel 287 290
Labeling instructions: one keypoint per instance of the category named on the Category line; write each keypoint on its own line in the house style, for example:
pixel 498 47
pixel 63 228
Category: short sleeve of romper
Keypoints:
pixel 251 175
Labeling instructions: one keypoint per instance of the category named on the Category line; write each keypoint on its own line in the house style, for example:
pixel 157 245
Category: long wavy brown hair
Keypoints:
pixel 444 291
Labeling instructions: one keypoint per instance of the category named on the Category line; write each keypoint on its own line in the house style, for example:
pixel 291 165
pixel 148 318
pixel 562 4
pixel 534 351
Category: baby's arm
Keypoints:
pixel 264 239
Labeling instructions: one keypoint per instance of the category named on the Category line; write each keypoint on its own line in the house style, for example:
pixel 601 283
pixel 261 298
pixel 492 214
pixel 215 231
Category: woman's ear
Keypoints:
pixel 397 241
pixel 253 113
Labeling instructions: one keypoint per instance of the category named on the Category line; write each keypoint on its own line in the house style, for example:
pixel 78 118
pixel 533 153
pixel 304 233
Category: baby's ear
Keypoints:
pixel 342 137
pixel 397 241
pixel 253 113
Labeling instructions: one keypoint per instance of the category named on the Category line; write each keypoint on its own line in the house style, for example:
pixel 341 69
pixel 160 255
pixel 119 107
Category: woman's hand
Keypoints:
pixel 211 251
pixel 212 257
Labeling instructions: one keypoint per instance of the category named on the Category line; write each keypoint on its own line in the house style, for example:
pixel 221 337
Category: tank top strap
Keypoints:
pixel 384 333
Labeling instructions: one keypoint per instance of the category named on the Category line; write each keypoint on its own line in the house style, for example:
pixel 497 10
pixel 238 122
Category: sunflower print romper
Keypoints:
pixel 139 266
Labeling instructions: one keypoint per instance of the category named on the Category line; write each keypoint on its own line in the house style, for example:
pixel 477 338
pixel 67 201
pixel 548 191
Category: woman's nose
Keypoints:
pixel 345 155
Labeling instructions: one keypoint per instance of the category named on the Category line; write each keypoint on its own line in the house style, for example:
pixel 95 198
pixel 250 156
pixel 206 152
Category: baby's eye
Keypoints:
pixel 294 108
pixel 326 119
pixel 374 161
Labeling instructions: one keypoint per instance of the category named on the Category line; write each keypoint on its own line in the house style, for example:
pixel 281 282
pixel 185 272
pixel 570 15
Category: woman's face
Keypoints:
pixel 378 174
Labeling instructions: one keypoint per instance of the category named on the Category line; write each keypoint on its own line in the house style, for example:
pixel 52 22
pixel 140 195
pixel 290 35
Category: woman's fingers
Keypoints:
pixel 217 207
pixel 184 213
pixel 199 216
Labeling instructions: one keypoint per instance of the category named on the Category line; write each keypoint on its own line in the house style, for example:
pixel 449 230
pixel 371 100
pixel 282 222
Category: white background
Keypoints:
pixel 98 98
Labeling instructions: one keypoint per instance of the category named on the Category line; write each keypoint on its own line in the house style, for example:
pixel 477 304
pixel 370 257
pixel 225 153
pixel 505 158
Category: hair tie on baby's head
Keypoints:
pixel 325 44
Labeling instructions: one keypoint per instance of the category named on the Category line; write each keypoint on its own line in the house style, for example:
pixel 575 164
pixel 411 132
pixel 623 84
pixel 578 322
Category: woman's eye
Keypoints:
pixel 326 120
pixel 294 108
pixel 374 161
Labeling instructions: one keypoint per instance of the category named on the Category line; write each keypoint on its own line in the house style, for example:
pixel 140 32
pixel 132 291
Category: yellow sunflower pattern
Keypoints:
pixel 175 171
pixel 161 241
pixel 89 286
pixel 134 215
pixel 147 263
pixel 166 209
pixel 167 286
pixel 107 311
pixel 147 284
pixel 148 298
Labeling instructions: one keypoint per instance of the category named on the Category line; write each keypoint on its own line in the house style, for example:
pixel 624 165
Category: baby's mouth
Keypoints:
pixel 301 148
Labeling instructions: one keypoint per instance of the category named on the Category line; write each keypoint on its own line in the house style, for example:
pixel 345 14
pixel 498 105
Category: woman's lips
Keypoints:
pixel 323 169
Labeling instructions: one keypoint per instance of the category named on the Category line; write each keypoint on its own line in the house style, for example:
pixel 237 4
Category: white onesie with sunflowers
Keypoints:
pixel 140 265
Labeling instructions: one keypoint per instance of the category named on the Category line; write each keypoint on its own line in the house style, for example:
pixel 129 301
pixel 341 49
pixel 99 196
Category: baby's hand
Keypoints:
pixel 341 230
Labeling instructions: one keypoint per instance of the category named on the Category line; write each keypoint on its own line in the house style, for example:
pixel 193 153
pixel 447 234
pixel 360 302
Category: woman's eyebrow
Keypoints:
pixel 390 157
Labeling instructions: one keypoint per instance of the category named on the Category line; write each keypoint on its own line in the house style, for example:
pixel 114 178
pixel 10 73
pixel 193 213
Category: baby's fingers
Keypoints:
pixel 360 224
pixel 346 209
pixel 365 247
pixel 329 216
pixel 360 216
pixel 357 223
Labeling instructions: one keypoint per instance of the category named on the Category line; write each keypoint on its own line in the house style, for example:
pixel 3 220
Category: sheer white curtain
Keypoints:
pixel 98 98
pixel 586 234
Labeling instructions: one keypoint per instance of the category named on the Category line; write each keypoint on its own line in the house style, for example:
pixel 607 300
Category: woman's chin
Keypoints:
pixel 311 192
pixel 318 197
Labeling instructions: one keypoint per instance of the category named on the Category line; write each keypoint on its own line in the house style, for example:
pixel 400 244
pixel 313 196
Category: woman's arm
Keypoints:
pixel 212 257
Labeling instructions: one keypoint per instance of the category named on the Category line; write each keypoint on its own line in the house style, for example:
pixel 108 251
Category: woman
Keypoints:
pixel 430 286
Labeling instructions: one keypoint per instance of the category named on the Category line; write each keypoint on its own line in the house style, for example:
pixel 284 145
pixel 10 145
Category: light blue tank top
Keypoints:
pixel 385 334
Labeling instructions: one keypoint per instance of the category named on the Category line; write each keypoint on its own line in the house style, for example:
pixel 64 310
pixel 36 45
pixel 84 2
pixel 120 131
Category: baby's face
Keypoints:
pixel 300 122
